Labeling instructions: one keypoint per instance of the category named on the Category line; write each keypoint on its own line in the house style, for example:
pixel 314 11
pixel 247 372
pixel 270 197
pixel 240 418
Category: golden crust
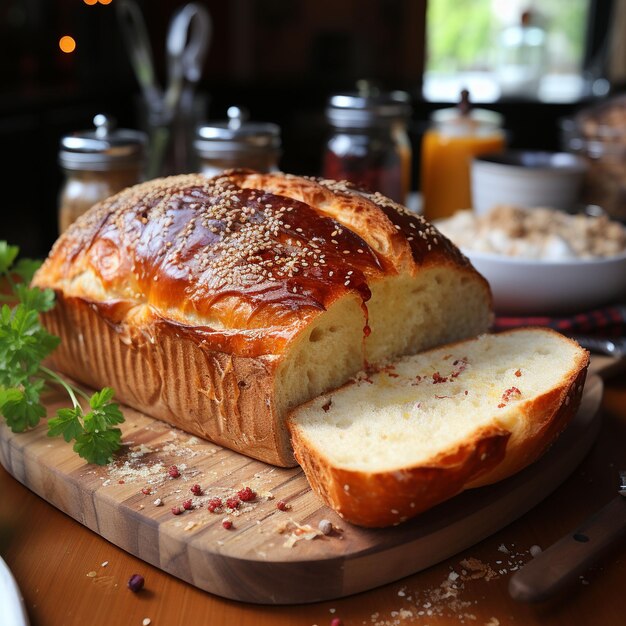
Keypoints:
pixel 167 372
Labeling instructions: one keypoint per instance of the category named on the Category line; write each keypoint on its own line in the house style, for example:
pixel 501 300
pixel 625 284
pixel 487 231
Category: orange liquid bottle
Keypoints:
pixel 458 134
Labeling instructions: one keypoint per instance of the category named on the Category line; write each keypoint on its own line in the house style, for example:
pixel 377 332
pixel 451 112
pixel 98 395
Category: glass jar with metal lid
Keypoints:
pixel 97 164
pixel 369 144
pixel 237 143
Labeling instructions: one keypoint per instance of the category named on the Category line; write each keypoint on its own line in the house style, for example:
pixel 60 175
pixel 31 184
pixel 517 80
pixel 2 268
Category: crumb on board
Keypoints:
pixel 296 532
pixel 456 598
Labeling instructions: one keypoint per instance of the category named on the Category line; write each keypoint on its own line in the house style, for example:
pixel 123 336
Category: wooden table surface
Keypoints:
pixel 71 576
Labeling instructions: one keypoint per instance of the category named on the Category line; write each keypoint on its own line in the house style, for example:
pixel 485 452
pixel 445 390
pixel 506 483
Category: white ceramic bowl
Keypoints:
pixel 526 179
pixel 534 287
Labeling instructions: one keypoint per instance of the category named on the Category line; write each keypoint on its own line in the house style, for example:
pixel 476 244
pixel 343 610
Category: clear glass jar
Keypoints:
pixel 97 164
pixel 369 143
pixel 237 143
pixel 598 134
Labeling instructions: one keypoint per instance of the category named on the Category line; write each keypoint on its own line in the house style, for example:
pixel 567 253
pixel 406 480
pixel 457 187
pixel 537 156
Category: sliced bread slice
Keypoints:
pixel 391 444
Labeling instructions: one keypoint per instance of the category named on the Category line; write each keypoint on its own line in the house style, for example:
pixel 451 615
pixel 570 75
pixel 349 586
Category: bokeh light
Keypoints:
pixel 67 44
pixel 104 1
pixel 90 2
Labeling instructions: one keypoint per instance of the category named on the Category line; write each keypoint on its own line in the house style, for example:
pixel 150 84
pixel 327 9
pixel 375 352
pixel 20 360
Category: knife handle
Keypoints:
pixel 563 562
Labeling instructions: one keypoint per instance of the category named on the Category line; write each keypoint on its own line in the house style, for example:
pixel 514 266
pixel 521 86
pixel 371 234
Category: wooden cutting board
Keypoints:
pixel 267 556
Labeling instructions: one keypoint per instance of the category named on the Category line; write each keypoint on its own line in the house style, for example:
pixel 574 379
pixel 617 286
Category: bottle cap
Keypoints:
pixel 103 147
pixel 367 106
pixel 236 135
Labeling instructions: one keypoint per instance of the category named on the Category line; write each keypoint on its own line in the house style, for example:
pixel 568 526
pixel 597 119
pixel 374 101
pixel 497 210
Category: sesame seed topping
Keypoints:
pixel 208 237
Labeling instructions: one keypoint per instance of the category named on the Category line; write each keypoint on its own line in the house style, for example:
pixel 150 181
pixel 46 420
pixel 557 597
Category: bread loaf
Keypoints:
pixel 390 445
pixel 218 305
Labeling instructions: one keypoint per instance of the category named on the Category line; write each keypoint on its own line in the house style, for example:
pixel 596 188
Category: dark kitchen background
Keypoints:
pixel 281 59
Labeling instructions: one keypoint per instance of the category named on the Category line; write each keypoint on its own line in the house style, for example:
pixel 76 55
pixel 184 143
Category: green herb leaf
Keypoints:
pixel 35 298
pixel 8 254
pixel 104 409
pixel 101 398
pixel 8 395
pixel 21 407
pixel 24 344
pixel 99 447
pixel 66 424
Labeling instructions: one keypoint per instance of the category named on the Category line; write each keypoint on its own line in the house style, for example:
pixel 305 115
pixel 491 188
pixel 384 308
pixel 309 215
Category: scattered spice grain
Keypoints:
pixel 136 583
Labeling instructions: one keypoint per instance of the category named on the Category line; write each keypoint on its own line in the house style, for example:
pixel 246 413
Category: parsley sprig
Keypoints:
pixel 24 344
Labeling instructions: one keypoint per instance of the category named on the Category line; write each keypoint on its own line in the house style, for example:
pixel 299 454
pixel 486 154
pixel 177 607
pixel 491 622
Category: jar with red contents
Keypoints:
pixel 369 144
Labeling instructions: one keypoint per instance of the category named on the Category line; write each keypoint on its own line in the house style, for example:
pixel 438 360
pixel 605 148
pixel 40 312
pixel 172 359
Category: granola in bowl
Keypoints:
pixel 538 233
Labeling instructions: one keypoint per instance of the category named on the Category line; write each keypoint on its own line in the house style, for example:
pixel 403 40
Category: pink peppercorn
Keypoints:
pixel 173 471
pixel 281 505
pixel 227 524
pixel 146 491
pixel 336 622
pixel 233 503
pixel 246 494
pixel 187 505
pixel 196 490
pixel 176 510
pixel 214 503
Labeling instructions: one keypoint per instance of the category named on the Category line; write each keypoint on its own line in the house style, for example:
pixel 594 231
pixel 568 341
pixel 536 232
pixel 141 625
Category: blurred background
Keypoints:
pixel 64 61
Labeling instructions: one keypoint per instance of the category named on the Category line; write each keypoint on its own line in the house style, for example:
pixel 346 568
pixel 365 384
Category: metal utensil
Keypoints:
pixel 562 563
pixel 612 347
pixel 187 44
pixel 137 41
pixel 11 601
pixel 187 41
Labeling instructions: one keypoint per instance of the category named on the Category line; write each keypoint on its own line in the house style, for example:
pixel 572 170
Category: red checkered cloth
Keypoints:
pixel 609 321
